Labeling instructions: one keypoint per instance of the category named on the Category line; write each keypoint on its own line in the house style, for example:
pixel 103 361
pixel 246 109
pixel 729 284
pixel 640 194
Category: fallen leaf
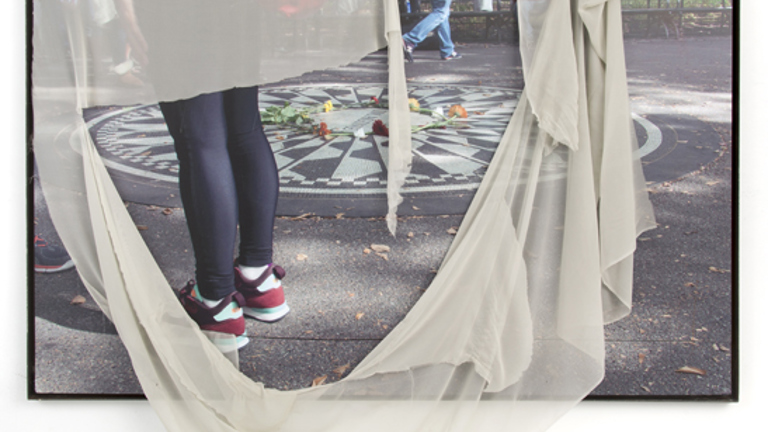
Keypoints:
pixel 452 231
pixel 319 380
pixel 141 227
pixel 146 153
pixel 339 215
pixel 380 248
pixel 645 388
pixel 359 315
pixel 341 369
pixel 78 300
pixel 691 370
pixel 712 183
pixel 410 235
pixel 641 358
pixel 717 270
pixel 301 217
pixel 690 284
pixel 416 208
pixel 382 255
pixel 301 257
pixel 366 251
pixel 167 211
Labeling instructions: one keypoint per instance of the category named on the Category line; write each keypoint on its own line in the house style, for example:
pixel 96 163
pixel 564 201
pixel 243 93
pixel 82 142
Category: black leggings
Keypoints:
pixel 227 174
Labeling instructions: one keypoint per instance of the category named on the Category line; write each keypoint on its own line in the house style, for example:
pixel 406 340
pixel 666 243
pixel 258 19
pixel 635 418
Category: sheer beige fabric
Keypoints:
pixel 508 336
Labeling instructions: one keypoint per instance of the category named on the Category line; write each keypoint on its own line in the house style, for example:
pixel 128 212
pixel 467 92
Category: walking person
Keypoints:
pixel 437 19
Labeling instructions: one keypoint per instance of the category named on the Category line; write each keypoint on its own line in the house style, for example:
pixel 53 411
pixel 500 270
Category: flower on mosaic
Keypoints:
pixel 413 104
pixel 379 128
pixel 438 112
pixel 360 133
pixel 323 129
pixel 328 106
pixel 457 110
pixel 375 100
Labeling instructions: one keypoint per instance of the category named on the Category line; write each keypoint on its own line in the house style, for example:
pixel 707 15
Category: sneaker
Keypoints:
pixel 50 259
pixel 226 317
pixel 408 50
pixel 454 55
pixel 264 297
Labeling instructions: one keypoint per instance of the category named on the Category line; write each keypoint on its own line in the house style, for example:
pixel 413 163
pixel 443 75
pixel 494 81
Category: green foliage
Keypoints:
pixel 285 115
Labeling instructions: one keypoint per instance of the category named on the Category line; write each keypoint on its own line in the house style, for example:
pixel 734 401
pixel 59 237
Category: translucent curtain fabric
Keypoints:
pixel 508 336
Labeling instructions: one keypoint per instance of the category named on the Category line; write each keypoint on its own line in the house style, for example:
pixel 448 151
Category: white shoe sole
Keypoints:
pixel 226 345
pixel 267 315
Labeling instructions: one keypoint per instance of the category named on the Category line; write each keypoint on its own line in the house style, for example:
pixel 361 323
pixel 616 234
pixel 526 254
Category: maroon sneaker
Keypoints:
pixel 226 317
pixel 264 297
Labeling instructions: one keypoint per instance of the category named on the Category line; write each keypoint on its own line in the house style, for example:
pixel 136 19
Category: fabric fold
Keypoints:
pixel 400 157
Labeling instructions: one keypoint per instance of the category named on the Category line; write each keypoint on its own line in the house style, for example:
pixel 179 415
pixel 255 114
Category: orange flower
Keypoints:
pixel 457 110
pixel 323 129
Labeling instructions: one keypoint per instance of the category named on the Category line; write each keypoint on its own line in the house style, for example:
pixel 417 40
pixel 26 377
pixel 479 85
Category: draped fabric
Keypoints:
pixel 508 336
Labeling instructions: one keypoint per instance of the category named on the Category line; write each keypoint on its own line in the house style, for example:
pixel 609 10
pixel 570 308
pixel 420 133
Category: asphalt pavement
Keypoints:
pixel 677 342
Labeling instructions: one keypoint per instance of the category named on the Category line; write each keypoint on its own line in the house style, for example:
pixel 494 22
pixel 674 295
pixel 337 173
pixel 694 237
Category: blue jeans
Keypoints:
pixel 227 177
pixel 437 19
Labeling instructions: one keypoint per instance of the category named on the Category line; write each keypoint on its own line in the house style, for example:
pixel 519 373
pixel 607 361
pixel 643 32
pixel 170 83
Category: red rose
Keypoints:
pixel 379 128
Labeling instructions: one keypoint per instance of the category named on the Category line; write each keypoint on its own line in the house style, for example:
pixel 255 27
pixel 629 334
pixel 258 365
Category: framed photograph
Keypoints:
pixel 349 280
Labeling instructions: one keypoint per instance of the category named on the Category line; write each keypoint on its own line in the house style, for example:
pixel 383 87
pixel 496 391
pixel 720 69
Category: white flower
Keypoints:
pixel 438 112
pixel 360 133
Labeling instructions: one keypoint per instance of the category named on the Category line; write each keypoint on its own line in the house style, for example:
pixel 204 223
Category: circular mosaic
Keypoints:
pixel 136 146
pixel 135 141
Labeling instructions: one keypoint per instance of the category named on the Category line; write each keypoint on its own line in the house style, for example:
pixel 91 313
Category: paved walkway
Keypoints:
pixel 681 97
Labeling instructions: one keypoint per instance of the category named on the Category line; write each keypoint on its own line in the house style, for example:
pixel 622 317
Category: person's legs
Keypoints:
pixel 444 34
pixel 207 187
pixel 441 10
pixel 255 174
